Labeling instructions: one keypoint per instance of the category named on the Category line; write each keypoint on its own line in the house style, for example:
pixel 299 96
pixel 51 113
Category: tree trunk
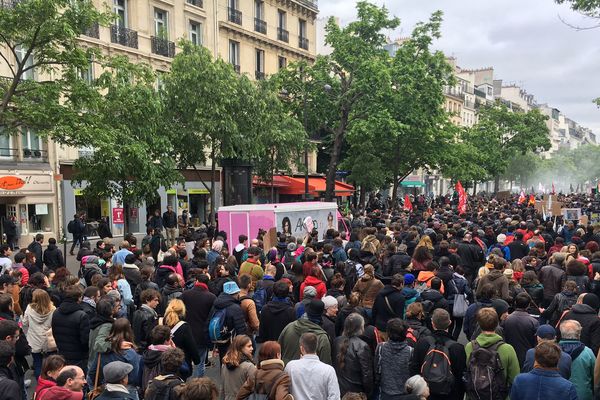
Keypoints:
pixel 395 191
pixel 363 197
pixel 272 176
pixel 213 197
pixel 125 208
pixel 338 141
pixel 496 184
pixel 474 188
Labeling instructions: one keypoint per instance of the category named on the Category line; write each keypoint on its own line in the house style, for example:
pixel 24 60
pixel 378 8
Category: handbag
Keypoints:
pixel 50 342
pixel 459 308
pixel 97 389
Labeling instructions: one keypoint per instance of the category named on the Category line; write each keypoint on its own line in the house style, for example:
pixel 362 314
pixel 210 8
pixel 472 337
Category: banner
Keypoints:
pixel 407 203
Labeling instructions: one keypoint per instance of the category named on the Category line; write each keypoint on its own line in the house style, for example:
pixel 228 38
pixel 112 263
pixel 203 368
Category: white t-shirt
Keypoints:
pixel 5 265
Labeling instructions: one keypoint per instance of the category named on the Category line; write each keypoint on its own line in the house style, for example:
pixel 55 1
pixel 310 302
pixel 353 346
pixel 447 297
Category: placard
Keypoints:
pixel 118 216
pixel 41 209
pixel 270 239
pixel 571 214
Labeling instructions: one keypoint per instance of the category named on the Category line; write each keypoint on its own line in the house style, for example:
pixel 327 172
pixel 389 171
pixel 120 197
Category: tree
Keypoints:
pixel 421 131
pixel 590 8
pixel 339 90
pixel 132 152
pixel 501 133
pixel 44 84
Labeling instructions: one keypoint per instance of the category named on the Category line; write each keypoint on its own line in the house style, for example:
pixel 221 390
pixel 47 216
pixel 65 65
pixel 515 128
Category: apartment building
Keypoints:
pixel 257 37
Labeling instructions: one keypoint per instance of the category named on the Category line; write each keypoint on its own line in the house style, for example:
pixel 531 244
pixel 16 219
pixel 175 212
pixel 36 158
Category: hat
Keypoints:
pixel 231 288
pixel 546 332
pixel 409 279
pixel 291 246
pixel 314 308
pixel 329 301
pixel 508 273
pixel 500 306
pixel 309 291
pixel 592 300
pixel 6 279
pixel 115 371
pixel 501 238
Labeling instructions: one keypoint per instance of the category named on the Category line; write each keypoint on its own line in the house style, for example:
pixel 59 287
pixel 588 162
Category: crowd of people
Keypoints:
pixel 427 304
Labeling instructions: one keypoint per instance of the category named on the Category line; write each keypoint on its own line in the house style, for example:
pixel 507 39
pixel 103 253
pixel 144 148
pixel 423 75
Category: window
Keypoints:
pixel 87 74
pixel 32 144
pixel 259 9
pixel 260 64
pixel 302 28
pixel 120 9
pixel 5 144
pixel 281 62
pixel 161 28
pixel 233 4
pixel 21 52
pixel 196 33
pixel 281 19
pixel 234 54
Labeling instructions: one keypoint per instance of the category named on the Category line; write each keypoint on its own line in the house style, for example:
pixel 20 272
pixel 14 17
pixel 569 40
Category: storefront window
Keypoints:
pixel 40 217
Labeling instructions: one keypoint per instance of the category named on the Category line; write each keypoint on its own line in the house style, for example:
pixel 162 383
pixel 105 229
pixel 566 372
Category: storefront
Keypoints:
pixel 29 195
pixel 194 197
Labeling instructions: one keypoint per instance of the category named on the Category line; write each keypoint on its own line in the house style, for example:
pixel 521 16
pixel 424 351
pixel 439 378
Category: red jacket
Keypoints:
pixel 60 393
pixel 318 284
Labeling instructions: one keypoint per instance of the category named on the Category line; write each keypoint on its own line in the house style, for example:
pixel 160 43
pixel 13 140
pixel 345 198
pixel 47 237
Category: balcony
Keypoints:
pixel 283 35
pixel 93 31
pixel 260 26
pixel 163 47
pixel 303 42
pixel 234 15
pixel 124 36
pixel 312 4
pixel 260 75
pixel 24 155
pixel 8 3
pixel 197 3
pixel 236 68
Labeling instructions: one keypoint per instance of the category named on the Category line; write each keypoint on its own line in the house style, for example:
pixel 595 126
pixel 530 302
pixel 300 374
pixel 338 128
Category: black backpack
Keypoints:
pixel 484 378
pixel 437 367
pixel 163 387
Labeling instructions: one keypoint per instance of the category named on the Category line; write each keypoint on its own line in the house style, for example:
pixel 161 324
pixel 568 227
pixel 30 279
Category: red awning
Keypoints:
pixel 289 185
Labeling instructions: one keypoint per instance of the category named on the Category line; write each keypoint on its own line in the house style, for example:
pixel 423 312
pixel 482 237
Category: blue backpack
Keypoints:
pixel 217 330
pixel 260 298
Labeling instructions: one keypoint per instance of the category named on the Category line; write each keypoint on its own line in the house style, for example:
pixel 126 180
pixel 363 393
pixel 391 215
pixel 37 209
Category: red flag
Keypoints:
pixel 554 191
pixel 531 200
pixel 407 204
pixel 462 198
pixel 522 197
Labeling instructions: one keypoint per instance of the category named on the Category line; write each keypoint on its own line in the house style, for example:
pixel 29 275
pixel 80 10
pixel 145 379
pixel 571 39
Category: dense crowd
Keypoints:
pixel 490 304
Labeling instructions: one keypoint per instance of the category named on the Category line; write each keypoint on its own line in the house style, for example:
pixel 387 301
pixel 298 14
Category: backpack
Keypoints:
pixel 71 227
pixel 260 298
pixel 484 377
pixel 217 330
pixel 422 286
pixel 437 368
pixel 264 396
pixel 412 337
pixel 565 302
pixel 163 386
pixel 350 273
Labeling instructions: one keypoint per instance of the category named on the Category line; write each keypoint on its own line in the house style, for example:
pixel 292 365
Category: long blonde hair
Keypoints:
pixel 41 302
pixel 174 313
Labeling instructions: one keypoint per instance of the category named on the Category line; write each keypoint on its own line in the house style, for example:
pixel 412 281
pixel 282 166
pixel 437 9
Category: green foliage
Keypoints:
pixel 48 33
pixel 339 91
pixel 131 152
pixel 590 8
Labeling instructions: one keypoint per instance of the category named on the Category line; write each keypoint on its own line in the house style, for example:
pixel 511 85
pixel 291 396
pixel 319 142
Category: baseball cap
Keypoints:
pixel 231 288
pixel 546 332
pixel 409 279
pixel 115 371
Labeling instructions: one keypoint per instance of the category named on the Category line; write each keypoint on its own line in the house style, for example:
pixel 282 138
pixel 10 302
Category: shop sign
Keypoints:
pixel 18 182
pixel 172 191
pixel 198 191
pixel 118 216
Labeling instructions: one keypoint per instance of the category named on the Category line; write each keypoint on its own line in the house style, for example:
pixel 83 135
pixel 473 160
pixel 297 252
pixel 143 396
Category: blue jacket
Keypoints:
pixel 582 367
pixel 542 384
pixel 564 364
pixel 128 356
pixel 505 250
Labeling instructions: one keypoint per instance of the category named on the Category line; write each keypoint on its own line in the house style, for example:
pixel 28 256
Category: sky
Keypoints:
pixel 524 40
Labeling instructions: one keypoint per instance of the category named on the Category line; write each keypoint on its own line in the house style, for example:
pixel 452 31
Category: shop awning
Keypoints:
pixel 295 186
pixel 412 184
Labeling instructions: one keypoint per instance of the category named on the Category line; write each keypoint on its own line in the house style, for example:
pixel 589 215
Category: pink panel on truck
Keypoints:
pixel 261 219
pixel 239 224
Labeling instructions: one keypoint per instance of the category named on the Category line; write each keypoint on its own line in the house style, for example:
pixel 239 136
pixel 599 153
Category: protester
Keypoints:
pixel 269 378
pixel 583 359
pixel 238 366
pixel 547 333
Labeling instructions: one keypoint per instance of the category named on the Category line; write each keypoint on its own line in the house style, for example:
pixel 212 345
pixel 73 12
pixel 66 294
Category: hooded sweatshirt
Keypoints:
pixel 315 282
pixel 43 385
pixel 582 367
pixel 508 357
pixel 426 277
pixel 60 393
pixel 35 327
pixel 498 280
pixel 290 336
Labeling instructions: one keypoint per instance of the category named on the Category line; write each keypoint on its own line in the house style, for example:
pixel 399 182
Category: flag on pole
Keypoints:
pixel 462 198
pixel 522 197
pixel 531 200
pixel 407 204
pixel 544 216
pixel 554 191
